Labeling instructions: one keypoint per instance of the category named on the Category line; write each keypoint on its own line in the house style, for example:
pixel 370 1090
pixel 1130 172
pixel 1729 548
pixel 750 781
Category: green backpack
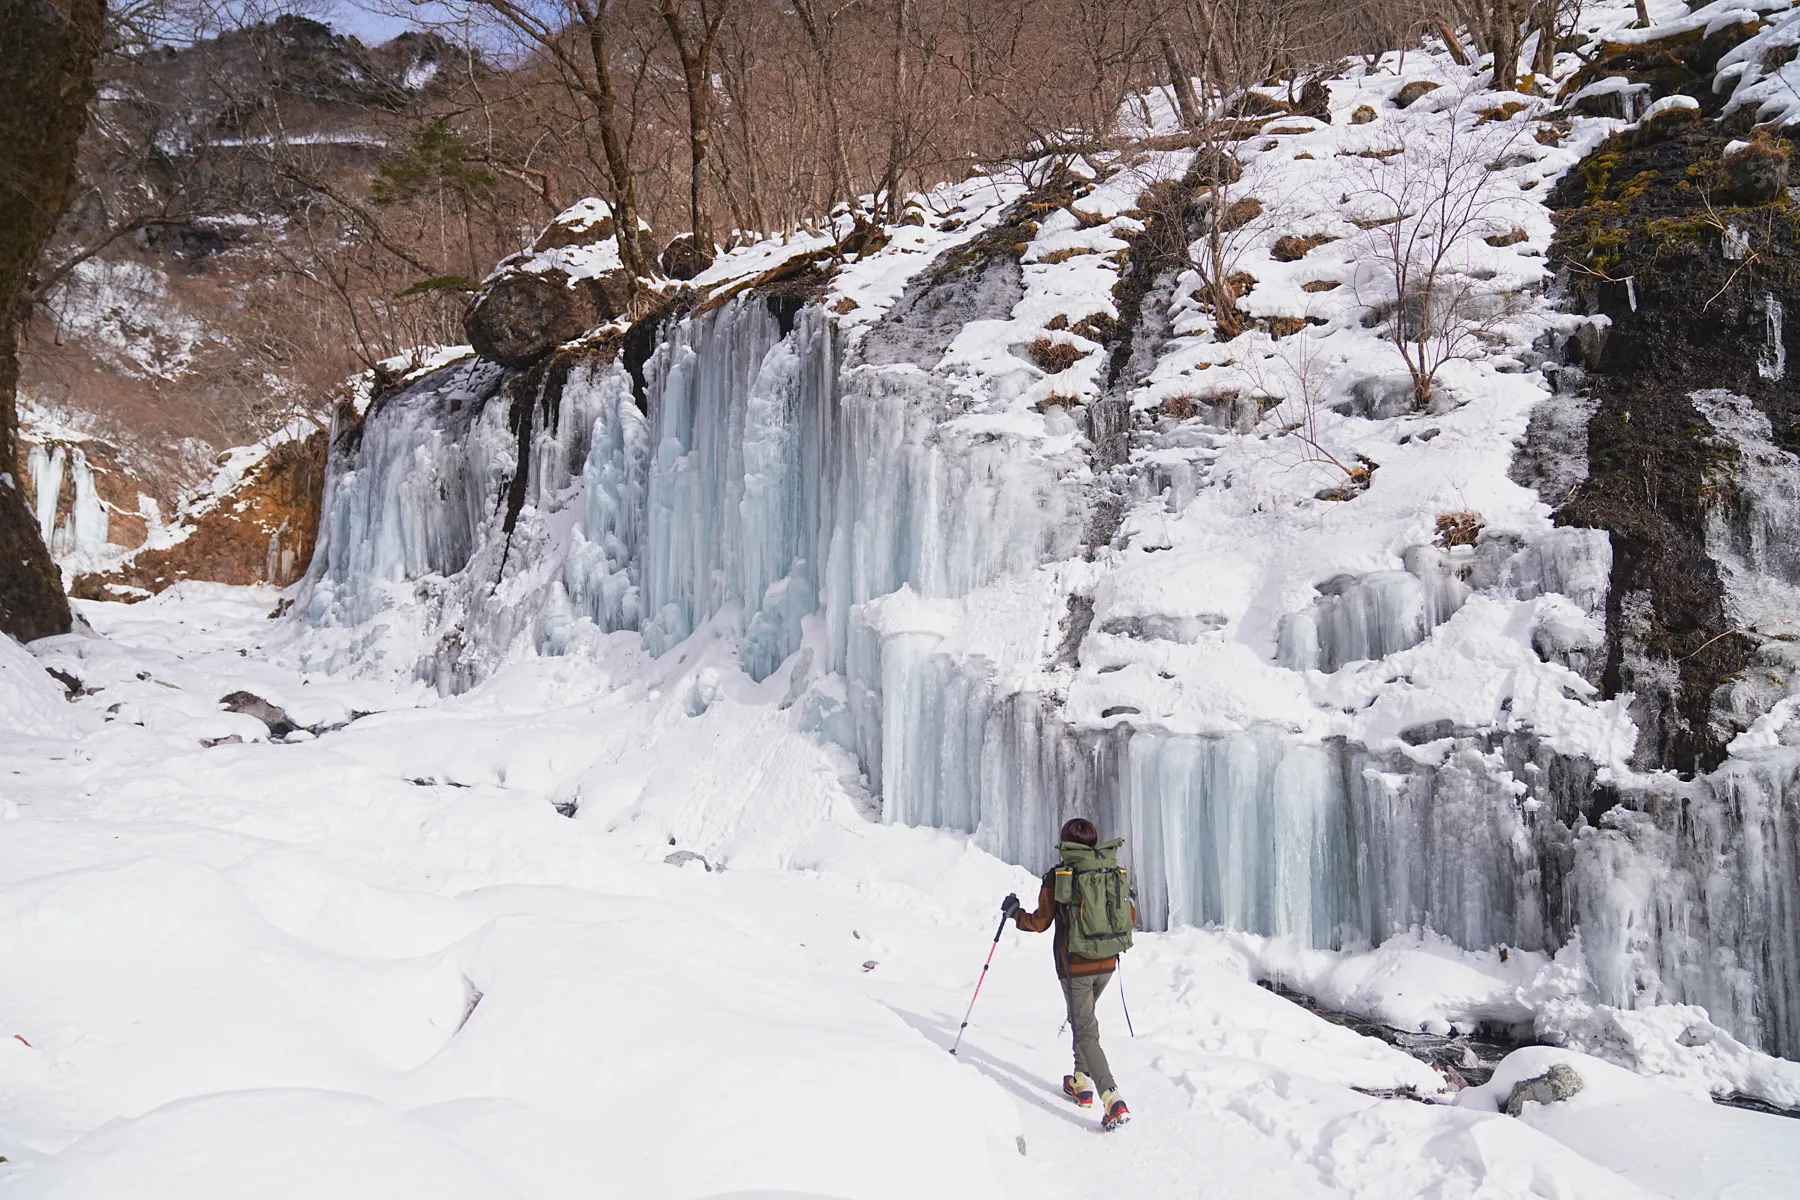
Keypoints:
pixel 1092 894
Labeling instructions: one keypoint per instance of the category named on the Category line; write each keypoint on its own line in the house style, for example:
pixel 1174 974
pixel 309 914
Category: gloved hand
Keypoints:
pixel 1009 904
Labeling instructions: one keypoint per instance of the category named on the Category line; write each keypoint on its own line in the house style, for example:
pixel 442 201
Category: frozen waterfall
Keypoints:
pixel 84 529
pixel 716 497
pixel 753 479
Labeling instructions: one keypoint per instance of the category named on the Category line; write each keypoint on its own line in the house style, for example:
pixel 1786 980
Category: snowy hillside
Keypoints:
pixel 1017 515
pixel 623 800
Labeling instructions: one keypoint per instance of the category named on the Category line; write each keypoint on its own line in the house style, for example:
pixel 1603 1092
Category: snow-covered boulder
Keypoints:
pixel 570 281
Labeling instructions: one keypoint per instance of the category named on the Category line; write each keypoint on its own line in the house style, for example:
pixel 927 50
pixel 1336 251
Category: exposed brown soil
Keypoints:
pixel 263 532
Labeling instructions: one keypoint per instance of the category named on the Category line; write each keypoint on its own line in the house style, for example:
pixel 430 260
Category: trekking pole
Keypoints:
pixel 1122 1003
pixel 1006 907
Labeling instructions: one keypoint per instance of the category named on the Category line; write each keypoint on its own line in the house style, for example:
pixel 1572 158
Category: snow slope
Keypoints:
pixel 379 962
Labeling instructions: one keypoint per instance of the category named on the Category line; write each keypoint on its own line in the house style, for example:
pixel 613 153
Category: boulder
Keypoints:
pixel 1292 247
pixel 1669 117
pixel 1363 115
pixel 521 315
pixel 683 258
pixel 1757 171
pixel 581 224
pixel 683 857
pixel 252 705
pixel 1617 97
pixel 1411 93
pixel 1558 1083
pixel 1380 397
pixel 1427 732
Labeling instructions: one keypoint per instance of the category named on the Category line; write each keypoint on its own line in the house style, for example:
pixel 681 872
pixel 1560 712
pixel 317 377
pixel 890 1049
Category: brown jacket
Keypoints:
pixel 1047 914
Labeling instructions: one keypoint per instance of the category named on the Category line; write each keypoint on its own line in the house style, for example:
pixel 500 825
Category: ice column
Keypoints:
pixel 928 502
pixel 1695 898
pixel 742 435
pixel 601 572
pixel 1772 362
pixel 950 751
pixel 89 515
pixel 46 476
pixel 1751 521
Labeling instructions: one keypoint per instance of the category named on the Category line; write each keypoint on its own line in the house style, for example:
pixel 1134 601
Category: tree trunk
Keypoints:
pixel 1452 43
pixel 890 178
pixel 1187 103
pixel 618 165
pixel 47 59
pixel 695 54
pixel 1503 36
pixel 1544 21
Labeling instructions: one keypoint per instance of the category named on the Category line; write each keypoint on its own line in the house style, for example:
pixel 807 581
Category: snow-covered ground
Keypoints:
pixel 378 961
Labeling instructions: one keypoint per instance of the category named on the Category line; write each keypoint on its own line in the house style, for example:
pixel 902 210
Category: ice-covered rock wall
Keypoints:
pixel 757 481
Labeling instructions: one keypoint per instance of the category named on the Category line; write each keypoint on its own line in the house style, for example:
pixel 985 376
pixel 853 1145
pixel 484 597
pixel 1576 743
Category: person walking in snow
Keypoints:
pixel 1086 898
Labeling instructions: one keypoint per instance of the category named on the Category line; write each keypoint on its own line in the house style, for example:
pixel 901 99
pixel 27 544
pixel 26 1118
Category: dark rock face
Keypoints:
pixel 522 316
pixel 1643 245
pixel 977 281
pixel 1681 62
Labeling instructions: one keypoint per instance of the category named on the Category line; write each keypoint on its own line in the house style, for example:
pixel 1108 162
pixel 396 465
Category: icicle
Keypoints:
pixel 1772 363
pixel 1734 243
pixel 1631 291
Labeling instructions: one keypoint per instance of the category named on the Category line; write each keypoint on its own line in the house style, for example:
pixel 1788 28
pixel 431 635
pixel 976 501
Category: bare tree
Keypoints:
pixel 577 38
pixel 1422 210
pixel 819 19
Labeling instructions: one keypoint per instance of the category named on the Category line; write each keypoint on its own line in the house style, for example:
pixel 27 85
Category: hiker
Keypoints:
pixel 1086 898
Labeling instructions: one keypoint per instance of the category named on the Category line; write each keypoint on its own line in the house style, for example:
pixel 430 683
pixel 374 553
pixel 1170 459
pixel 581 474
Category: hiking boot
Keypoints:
pixel 1116 1112
pixel 1080 1089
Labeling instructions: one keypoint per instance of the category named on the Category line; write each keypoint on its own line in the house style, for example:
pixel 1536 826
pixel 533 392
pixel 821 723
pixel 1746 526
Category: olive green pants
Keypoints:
pixel 1081 991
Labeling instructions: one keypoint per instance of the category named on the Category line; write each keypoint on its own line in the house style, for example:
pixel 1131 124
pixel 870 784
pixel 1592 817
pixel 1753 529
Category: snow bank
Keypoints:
pixel 385 959
pixel 1662 1138
pixel 31 702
